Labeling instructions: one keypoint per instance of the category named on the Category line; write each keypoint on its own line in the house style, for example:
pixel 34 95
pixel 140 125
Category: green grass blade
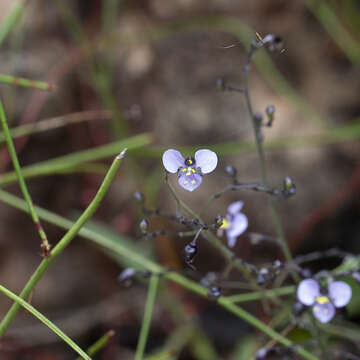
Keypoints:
pixel 149 265
pixel 11 20
pixel 99 344
pixel 57 122
pixel 64 242
pixel 149 307
pixel 336 29
pixel 53 166
pixel 44 320
pixel 19 81
pixel 45 247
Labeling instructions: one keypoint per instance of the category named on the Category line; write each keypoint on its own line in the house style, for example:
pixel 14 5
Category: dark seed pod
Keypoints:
pixel 214 292
pixel 190 251
pixel 262 276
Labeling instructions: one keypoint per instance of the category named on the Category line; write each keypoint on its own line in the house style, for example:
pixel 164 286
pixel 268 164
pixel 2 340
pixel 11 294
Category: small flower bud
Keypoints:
pixel 273 42
pixel 209 279
pixel 261 354
pixel 270 111
pixel 298 308
pixel 138 196
pixel 305 273
pixel 356 276
pixel 258 118
pixel 144 225
pixel 214 292
pixel 277 264
pixel 231 170
pixel 220 85
pixel 289 188
pixel 126 276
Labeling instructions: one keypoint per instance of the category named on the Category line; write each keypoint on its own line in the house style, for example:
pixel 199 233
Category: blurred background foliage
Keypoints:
pixel 120 68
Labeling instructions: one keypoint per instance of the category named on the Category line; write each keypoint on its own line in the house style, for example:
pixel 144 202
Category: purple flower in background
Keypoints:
pixel 234 223
pixel 324 305
pixel 190 170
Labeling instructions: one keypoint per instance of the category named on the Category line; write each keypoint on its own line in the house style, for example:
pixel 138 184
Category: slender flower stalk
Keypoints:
pixel 64 242
pixel 149 307
pixel 45 246
pixel 260 151
pixel 149 265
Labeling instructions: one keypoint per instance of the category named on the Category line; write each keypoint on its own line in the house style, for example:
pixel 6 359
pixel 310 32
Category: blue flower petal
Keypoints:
pixel 231 241
pixel 191 182
pixel 324 312
pixel 235 207
pixel 307 291
pixel 239 224
pixel 206 160
pixel 340 293
pixel 172 160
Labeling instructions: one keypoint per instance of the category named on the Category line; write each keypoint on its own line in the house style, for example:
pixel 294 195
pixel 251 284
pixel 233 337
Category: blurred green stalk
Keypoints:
pixel 145 326
pixel 144 263
pixel 11 20
pixel 64 242
pixel 44 320
pixel 99 344
pixel 19 81
pixel 45 246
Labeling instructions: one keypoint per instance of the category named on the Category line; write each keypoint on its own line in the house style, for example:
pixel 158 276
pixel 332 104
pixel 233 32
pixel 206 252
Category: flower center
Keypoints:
pixel 225 224
pixel 322 300
pixel 188 171
pixel 190 161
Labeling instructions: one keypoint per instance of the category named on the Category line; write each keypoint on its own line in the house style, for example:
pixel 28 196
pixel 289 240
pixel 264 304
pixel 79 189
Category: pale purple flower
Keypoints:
pixel 324 305
pixel 234 223
pixel 190 170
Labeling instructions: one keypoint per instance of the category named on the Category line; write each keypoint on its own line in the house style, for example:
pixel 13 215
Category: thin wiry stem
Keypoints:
pixel 140 260
pixel 261 155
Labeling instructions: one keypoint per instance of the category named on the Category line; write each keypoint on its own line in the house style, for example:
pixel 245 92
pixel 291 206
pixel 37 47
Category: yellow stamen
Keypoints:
pixel 186 182
pixel 225 224
pixel 322 300
pixel 193 182
pixel 193 170
pixel 190 161
pixel 183 170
